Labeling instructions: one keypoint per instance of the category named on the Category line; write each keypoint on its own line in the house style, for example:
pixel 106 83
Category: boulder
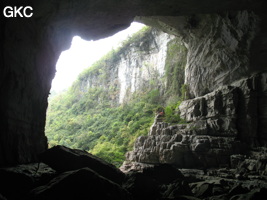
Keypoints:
pixel 141 186
pixel 129 166
pixel 255 194
pixel 64 159
pixel 80 184
pixel 155 180
pixel 238 189
pixel 210 187
pixel 16 182
pixel 163 173
pixel 176 189
pixel 203 190
pixel 236 160
pixel 256 164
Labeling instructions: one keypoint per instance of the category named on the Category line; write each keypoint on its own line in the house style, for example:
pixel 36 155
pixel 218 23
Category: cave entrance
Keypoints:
pixel 82 54
pixel 66 128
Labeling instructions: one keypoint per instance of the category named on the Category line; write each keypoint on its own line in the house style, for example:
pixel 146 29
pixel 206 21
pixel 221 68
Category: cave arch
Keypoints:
pixel 31 47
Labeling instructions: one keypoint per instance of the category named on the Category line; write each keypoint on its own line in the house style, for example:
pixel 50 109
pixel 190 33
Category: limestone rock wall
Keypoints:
pixel 219 47
pixel 134 67
pixel 222 48
pixel 136 70
pixel 220 124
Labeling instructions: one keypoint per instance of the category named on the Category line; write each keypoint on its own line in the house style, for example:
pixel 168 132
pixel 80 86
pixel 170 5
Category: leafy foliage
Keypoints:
pixel 172 115
pixel 174 66
pixel 99 128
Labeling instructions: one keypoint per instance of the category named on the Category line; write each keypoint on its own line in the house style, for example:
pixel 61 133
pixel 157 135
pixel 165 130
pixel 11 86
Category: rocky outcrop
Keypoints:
pixel 221 46
pixel 217 49
pixel 219 124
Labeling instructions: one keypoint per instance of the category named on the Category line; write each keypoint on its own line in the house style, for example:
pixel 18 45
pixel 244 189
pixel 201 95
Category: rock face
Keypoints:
pixel 135 70
pixel 212 50
pixel 221 46
pixel 220 124
pixel 133 67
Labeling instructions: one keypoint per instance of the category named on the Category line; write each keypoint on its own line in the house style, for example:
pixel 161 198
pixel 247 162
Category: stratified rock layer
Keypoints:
pixel 219 124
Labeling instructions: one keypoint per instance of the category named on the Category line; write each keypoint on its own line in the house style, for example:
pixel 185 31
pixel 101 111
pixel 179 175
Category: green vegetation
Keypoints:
pixel 87 116
pixel 174 66
pixel 171 116
pixel 106 131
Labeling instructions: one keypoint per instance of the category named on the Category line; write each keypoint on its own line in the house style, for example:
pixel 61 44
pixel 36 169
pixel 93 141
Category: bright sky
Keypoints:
pixel 83 54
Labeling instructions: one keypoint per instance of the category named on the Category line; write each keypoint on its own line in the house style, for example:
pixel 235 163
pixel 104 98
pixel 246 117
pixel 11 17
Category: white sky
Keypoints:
pixel 82 54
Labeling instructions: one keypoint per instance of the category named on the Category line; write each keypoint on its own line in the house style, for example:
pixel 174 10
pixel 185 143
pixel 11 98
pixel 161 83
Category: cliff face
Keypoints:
pixel 221 46
pixel 132 68
pixel 136 70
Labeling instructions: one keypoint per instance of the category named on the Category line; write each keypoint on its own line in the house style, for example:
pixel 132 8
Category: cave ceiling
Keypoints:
pixel 102 18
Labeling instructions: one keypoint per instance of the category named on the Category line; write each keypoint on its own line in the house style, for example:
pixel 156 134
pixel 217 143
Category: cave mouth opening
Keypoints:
pixel 71 63
pixel 82 54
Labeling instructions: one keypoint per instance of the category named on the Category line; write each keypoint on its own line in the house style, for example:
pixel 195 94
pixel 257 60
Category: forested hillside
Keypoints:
pixel 93 115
